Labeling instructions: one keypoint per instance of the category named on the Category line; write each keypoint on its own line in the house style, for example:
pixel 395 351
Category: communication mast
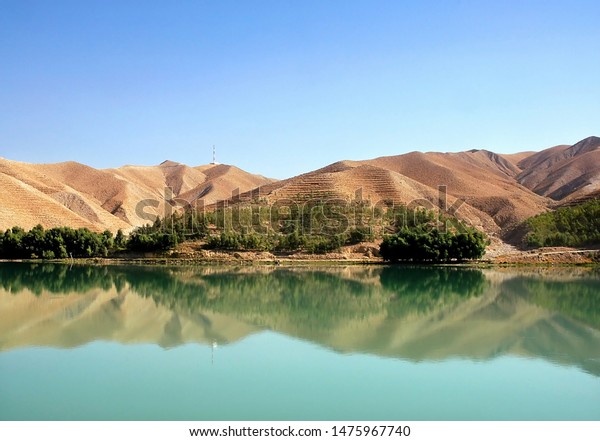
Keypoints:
pixel 214 161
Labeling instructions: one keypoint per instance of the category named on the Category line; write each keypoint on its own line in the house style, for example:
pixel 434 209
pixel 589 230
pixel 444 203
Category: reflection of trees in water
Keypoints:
pixel 423 289
pixel 569 333
pixel 318 303
pixel 578 298
pixel 319 297
pixel 310 297
pixel 58 279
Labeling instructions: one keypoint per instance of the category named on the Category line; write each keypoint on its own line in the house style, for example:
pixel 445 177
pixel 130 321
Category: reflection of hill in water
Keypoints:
pixel 413 313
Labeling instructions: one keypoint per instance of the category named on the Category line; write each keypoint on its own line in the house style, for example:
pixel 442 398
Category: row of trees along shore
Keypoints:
pixel 416 235
pixel 572 226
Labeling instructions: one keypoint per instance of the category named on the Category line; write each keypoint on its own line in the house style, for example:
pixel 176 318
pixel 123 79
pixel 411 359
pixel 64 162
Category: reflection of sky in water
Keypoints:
pixel 344 343
pixel 269 376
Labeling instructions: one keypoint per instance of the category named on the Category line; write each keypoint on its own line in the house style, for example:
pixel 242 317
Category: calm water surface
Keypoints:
pixel 334 343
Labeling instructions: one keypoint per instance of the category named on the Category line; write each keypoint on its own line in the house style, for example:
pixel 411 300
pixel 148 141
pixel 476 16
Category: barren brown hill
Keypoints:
pixel 515 158
pixel 564 172
pixel 348 180
pixel 39 194
pixel 182 184
pixel 498 191
pixel 76 195
pixel 222 181
pixel 484 180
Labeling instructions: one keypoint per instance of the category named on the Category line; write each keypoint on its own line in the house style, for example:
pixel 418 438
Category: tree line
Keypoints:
pixel 573 226
pixel 58 243
pixel 66 242
pixel 412 234
pixel 314 299
pixel 316 227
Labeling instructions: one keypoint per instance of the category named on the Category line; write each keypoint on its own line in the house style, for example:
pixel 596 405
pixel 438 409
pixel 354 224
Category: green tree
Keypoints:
pixel 120 240
pixel 433 246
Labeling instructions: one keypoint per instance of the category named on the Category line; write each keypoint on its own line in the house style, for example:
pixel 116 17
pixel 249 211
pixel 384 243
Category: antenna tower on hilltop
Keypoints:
pixel 214 161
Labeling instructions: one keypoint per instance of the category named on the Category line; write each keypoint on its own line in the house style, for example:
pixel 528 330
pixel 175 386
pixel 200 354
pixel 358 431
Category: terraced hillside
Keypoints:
pixel 497 191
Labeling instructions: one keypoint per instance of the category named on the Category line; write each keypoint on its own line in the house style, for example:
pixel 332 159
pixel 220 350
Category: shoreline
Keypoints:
pixel 550 257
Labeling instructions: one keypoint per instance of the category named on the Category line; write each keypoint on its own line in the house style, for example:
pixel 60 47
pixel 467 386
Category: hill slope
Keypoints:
pixel 564 172
pixel 77 195
pixel 490 191
pixel 498 191
pixel 485 181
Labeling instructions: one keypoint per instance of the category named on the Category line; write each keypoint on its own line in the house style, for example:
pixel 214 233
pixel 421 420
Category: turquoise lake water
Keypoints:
pixel 326 343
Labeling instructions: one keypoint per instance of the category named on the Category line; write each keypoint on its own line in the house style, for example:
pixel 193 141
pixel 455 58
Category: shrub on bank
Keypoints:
pixel 433 246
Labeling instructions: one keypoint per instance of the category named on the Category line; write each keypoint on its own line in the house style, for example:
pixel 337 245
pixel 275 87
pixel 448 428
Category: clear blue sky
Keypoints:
pixel 282 87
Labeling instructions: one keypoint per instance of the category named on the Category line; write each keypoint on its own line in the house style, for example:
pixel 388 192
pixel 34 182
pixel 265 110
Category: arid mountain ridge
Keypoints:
pixel 499 190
